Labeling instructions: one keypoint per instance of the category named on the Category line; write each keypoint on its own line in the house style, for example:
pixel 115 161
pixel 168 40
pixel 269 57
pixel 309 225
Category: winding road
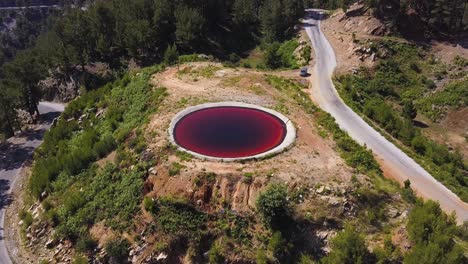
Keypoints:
pixel 14 155
pixel 323 92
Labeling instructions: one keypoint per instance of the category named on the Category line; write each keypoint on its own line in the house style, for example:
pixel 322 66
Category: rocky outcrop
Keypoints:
pixel 63 87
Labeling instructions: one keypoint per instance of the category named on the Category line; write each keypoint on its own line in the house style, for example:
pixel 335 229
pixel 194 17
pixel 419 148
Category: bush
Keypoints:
pixel 432 233
pixel 278 245
pixel 348 247
pixel 175 216
pixel 407 193
pixel 85 244
pixel 282 55
pixel 103 147
pixel 171 55
pixel 80 260
pixel 117 249
pixel 271 58
pixel 234 58
pixel 27 219
pixel 149 204
pixel 215 255
pixel 273 204
pixel 261 257
pixel 175 168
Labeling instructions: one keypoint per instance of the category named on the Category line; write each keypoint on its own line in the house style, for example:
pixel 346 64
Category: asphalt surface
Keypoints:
pixel 401 165
pixel 28 7
pixel 14 156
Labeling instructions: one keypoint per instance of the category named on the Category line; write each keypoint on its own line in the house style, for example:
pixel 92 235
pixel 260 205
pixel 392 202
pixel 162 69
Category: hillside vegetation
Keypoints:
pixel 402 85
pixel 77 195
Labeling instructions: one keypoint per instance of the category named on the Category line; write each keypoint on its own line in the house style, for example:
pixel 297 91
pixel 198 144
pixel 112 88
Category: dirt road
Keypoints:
pixel 403 167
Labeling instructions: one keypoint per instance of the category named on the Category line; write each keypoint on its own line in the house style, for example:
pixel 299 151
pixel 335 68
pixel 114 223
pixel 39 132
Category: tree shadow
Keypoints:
pixel 48 117
pixel 302 234
pixel 317 15
pixel 13 156
pixel 420 124
pixel 5 197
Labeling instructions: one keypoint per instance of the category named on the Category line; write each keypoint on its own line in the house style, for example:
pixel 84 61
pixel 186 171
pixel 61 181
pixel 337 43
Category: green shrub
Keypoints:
pixel 85 244
pixel 348 247
pixel 278 245
pixel 281 55
pixel 432 232
pixel 149 204
pixel 261 257
pixel 215 255
pixel 184 156
pixel 175 168
pixel 69 148
pixel 171 55
pixel 27 219
pixel 407 193
pixel 273 204
pixel 80 260
pixel 176 216
pixel 117 249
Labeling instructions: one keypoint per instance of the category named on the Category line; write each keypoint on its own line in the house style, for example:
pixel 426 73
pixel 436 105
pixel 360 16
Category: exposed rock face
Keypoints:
pixel 63 87
pixel 411 26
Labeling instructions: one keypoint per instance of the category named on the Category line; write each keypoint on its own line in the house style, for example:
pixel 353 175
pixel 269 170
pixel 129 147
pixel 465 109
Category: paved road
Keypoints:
pixel 14 155
pixel 403 167
pixel 28 7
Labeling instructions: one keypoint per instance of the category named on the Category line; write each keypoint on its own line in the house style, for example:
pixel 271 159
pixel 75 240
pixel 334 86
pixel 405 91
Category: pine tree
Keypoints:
pixel 189 26
pixel 244 13
pixel 10 97
pixel 272 21
pixel 171 55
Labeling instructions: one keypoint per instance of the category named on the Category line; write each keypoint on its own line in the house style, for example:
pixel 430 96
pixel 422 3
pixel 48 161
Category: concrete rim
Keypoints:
pixel 285 144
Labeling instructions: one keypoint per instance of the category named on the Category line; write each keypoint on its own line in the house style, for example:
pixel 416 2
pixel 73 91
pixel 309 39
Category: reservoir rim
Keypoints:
pixel 288 138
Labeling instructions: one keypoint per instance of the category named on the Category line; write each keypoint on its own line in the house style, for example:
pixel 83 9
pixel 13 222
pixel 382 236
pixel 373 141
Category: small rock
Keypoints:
pixel 49 243
pixel 392 212
pixel 320 190
pixel 162 256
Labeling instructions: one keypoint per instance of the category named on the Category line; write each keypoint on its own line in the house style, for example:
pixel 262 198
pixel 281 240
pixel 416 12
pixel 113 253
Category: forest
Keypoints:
pixel 431 17
pixel 118 31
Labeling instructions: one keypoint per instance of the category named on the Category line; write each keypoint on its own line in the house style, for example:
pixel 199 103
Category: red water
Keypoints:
pixel 229 132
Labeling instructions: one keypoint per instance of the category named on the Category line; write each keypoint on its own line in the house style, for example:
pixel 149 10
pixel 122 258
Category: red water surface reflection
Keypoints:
pixel 229 132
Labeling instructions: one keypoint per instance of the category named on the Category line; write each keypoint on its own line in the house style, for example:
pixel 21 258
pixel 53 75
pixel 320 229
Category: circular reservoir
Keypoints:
pixel 231 131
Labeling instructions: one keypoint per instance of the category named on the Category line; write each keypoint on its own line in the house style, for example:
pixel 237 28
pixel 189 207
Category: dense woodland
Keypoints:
pixel 117 31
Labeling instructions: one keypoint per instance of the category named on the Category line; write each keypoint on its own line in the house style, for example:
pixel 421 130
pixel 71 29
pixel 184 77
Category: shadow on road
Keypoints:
pixel 317 15
pixel 48 117
pixel 12 156
pixel 5 197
